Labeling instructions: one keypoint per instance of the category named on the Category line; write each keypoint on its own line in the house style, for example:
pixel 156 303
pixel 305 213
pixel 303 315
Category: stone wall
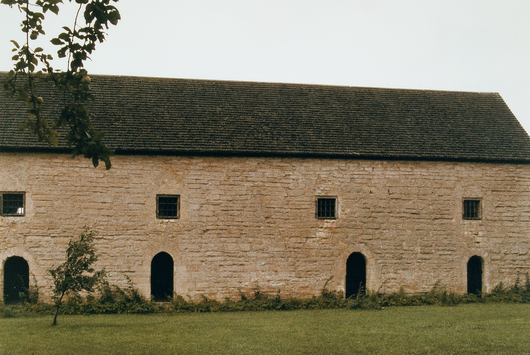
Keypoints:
pixel 248 223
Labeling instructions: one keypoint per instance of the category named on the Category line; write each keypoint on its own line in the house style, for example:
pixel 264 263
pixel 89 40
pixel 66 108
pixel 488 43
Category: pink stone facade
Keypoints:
pixel 249 222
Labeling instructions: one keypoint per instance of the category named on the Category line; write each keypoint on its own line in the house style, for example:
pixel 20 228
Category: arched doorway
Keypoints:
pixel 16 279
pixel 355 275
pixel 162 277
pixel 474 275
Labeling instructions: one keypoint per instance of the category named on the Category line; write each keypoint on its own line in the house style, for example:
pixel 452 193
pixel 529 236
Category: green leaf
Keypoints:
pixel 64 36
pixel 54 9
pixel 56 41
pixel 62 52
pixel 114 16
pixel 108 164
pixel 8 2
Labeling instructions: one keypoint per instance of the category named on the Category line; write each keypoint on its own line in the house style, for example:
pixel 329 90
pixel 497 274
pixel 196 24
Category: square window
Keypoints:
pixel 13 204
pixel 327 207
pixel 472 209
pixel 167 206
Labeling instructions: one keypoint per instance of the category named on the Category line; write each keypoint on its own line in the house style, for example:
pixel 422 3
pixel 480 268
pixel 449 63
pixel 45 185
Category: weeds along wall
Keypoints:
pixel 248 223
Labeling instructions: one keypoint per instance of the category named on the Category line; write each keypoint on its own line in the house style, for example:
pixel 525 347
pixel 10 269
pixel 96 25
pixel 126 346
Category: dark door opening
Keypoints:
pixel 162 277
pixel 355 275
pixel 16 280
pixel 474 275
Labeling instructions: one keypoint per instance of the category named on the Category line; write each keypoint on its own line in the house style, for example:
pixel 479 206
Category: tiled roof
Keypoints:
pixel 141 115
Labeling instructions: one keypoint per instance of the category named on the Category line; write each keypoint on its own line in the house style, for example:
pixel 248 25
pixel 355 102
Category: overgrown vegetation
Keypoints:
pixel 111 299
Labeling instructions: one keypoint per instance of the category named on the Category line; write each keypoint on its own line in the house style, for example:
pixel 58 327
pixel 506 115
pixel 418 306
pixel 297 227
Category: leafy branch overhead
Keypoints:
pixel 33 66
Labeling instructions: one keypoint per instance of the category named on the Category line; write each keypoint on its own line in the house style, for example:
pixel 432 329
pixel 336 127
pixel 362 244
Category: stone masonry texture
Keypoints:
pixel 249 223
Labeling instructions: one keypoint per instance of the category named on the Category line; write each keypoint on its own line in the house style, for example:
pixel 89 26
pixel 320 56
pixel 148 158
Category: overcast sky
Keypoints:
pixel 463 45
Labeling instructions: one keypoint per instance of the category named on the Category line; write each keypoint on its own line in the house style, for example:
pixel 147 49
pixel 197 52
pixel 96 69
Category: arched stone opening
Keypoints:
pixel 355 275
pixel 162 277
pixel 16 279
pixel 474 275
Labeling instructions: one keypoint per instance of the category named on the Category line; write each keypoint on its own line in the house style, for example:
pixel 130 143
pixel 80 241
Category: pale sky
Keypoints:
pixel 461 45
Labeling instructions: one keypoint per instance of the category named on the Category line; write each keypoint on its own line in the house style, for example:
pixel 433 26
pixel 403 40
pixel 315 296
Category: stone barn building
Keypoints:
pixel 220 188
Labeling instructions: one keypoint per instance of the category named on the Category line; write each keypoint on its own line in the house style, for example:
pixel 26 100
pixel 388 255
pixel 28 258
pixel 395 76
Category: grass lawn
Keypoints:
pixel 464 329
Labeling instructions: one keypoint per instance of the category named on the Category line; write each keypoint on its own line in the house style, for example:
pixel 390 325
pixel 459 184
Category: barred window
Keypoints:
pixel 472 209
pixel 12 204
pixel 327 207
pixel 167 206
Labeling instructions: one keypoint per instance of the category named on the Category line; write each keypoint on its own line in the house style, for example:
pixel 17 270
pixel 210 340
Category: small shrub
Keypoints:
pixel 75 274
pixel 111 299
pixel 179 304
pixel 30 295
pixel 6 311
pixel 370 300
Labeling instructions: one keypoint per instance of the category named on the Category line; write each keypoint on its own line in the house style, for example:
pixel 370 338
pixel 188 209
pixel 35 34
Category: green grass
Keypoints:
pixel 465 329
